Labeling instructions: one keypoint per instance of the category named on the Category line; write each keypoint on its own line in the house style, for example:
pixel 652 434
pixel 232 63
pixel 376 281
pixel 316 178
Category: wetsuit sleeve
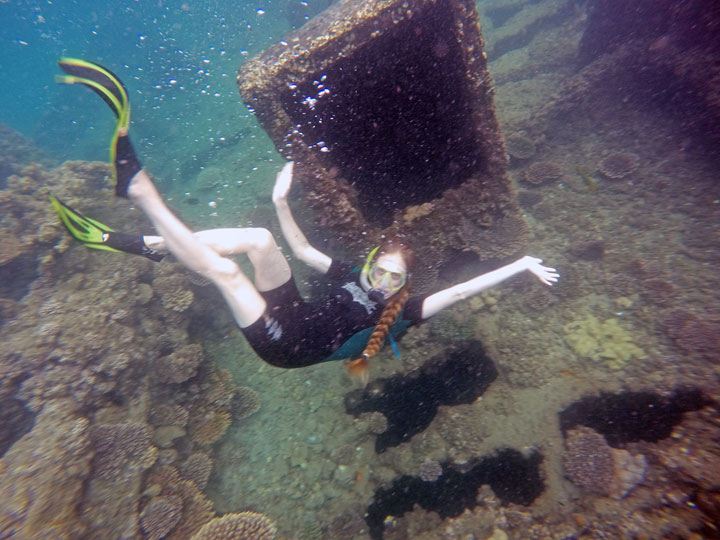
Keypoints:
pixel 338 270
pixel 413 309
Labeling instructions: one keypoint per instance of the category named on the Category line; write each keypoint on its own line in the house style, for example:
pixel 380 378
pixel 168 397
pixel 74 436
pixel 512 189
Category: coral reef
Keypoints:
pixel 160 516
pixel 168 414
pixel 173 289
pixel 246 402
pixel 208 425
pixel 196 508
pixel 180 365
pixel 691 333
pixel 196 468
pixel 542 172
pixel 602 341
pixel 587 249
pixel 593 465
pixel 618 165
pixel 43 474
pixel 247 525
pixel 520 146
pixel 121 446
pixel 658 291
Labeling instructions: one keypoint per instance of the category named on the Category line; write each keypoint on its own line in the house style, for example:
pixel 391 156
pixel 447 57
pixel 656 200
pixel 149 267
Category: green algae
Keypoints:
pixel 602 341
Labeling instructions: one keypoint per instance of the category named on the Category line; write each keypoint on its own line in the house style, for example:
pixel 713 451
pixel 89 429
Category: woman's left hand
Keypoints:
pixel 283 183
pixel 544 273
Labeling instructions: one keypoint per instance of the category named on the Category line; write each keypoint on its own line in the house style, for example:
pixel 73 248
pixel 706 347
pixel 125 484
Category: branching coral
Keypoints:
pixel 196 508
pixel 197 469
pixel 208 425
pixel 160 516
pixel 246 525
pixel 218 388
pixel 122 445
pixel 618 165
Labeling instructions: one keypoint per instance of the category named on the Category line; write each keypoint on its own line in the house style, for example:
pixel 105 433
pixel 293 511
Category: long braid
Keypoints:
pixel 387 319
pixel 360 366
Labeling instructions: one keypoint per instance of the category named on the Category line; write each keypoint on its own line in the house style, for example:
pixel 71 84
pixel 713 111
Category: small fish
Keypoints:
pixel 589 180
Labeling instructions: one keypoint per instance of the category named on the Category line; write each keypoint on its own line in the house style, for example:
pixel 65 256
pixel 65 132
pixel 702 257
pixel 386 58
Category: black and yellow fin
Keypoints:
pixel 90 232
pixel 94 234
pixel 108 86
pixel 100 80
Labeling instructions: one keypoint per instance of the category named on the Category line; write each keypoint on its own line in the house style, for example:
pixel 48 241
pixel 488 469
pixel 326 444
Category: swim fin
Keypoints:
pixel 95 235
pixel 108 86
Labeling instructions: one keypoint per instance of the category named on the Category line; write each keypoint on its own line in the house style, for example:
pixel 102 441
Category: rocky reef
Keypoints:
pixel 131 407
pixel 108 407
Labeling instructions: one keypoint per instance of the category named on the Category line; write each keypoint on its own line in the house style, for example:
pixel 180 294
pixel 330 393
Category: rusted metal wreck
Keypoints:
pixel 387 108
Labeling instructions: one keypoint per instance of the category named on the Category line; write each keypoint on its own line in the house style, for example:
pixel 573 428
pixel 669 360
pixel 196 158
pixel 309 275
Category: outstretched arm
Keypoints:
pixel 299 244
pixel 446 298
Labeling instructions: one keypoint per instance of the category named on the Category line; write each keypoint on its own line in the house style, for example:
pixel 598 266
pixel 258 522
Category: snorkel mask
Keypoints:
pixel 386 278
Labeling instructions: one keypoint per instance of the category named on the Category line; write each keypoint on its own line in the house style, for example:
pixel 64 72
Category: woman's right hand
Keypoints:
pixel 283 183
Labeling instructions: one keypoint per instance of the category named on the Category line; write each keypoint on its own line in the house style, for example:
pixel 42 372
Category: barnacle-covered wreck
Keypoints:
pixel 387 108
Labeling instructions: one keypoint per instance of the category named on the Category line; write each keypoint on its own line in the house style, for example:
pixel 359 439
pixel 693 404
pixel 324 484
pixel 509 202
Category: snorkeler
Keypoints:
pixel 363 308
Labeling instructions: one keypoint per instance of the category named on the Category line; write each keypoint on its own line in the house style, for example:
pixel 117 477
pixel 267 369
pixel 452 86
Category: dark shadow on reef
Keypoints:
pixel 410 402
pixel 513 477
pixel 15 421
pixel 632 416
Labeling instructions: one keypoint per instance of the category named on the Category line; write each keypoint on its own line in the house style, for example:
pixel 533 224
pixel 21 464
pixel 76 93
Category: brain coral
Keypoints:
pixel 588 460
pixel 618 164
pixel 542 172
pixel 160 516
pixel 592 464
pixel 245 525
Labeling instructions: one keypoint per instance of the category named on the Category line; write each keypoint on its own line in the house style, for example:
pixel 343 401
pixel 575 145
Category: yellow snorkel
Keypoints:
pixel 368 261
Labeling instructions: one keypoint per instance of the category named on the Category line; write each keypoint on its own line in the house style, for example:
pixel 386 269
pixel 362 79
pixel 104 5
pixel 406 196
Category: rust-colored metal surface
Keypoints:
pixel 387 108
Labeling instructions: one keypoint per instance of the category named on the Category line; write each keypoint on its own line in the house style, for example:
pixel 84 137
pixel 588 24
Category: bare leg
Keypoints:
pixel 271 267
pixel 246 304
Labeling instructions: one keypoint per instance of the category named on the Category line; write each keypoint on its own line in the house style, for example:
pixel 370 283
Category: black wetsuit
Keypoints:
pixel 295 333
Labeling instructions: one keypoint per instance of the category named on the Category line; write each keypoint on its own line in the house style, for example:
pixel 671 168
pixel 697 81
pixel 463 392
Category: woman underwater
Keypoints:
pixel 363 308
